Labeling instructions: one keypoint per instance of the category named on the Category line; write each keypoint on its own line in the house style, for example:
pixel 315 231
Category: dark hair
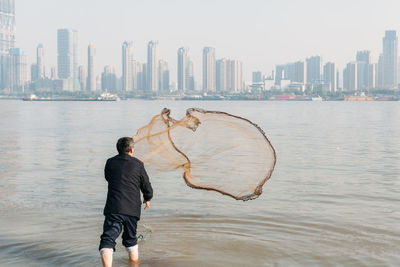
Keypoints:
pixel 124 145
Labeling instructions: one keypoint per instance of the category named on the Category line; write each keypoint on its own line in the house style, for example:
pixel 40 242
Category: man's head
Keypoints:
pixel 125 145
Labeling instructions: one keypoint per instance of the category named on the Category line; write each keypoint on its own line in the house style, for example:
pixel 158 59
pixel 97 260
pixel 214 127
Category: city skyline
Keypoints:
pixel 217 73
pixel 276 34
pixel 67 46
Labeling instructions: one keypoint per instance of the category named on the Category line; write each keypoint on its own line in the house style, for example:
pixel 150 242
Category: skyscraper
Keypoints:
pixel 183 62
pixel 257 77
pixel 350 77
pixel 236 76
pixel 279 74
pixel 299 73
pixel 142 77
pixel 109 79
pixel 390 44
pixel 34 72
pixel 379 73
pixel 18 69
pixel 209 69
pixel 67 48
pixel 221 75
pixel 54 73
pixel 7 39
pixel 314 66
pixel 136 75
pixel 163 76
pixel 338 81
pixel 40 62
pixel 7 26
pixel 82 76
pixel 127 58
pixel 363 59
pixel 330 76
pixel 190 76
pixel 152 66
pixel 371 76
pixel 294 72
pixel 229 75
pixel 91 83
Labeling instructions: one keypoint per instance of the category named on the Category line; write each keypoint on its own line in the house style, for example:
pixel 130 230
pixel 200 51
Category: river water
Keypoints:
pixel 333 199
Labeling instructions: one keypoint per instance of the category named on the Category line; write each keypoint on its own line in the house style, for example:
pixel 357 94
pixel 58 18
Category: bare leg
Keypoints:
pixel 133 253
pixel 106 256
pixel 133 264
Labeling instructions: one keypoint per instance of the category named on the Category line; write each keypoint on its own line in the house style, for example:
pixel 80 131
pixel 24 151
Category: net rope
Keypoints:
pixel 215 150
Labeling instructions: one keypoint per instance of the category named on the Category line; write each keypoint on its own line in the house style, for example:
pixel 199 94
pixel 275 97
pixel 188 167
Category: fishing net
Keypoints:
pixel 215 150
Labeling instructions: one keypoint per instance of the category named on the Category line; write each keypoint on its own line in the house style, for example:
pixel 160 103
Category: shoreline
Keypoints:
pixel 286 98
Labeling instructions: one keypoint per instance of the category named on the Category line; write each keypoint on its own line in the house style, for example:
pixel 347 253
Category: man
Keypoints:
pixel 126 177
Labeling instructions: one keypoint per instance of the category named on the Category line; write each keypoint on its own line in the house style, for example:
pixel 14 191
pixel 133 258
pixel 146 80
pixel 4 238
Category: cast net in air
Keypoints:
pixel 215 150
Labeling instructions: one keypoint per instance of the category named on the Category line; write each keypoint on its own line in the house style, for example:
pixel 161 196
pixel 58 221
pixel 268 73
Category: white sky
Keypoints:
pixel 261 33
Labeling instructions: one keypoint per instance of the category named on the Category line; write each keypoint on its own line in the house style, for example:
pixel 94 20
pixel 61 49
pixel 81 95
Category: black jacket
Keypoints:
pixel 126 177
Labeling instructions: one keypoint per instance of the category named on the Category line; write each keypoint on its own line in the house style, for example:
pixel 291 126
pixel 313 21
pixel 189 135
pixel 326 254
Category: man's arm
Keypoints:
pixel 145 187
pixel 107 171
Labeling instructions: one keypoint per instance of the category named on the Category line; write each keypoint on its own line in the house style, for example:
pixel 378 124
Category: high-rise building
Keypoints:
pixel 257 77
pixel 7 26
pixel 127 58
pixel 34 72
pixel 67 48
pixel 54 74
pixel 363 59
pixel 294 72
pixel 98 82
pixel 163 76
pixel 190 76
pixel 314 66
pixel 109 79
pixel 18 69
pixel 183 65
pixel 338 80
pixel 152 66
pixel 222 75
pixel 236 76
pixel 371 76
pixel 379 73
pixel 390 44
pixel 142 78
pixel 91 83
pixel 299 72
pixel 330 76
pixel 209 69
pixel 82 77
pixel 229 75
pixel 37 70
pixel 40 62
pixel 350 77
pixel 7 39
pixel 364 56
pixel 136 72
pixel 279 74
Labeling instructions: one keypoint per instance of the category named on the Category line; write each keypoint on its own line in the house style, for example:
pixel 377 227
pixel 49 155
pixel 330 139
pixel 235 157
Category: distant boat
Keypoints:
pixel 318 98
pixel 359 98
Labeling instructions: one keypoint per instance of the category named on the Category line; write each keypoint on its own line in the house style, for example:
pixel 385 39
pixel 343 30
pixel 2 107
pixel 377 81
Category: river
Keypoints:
pixel 333 199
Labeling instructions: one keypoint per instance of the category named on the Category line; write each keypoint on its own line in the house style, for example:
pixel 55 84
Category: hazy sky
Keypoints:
pixel 261 33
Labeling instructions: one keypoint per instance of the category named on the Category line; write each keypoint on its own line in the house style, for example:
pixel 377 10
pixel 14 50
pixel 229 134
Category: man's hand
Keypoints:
pixel 147 204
